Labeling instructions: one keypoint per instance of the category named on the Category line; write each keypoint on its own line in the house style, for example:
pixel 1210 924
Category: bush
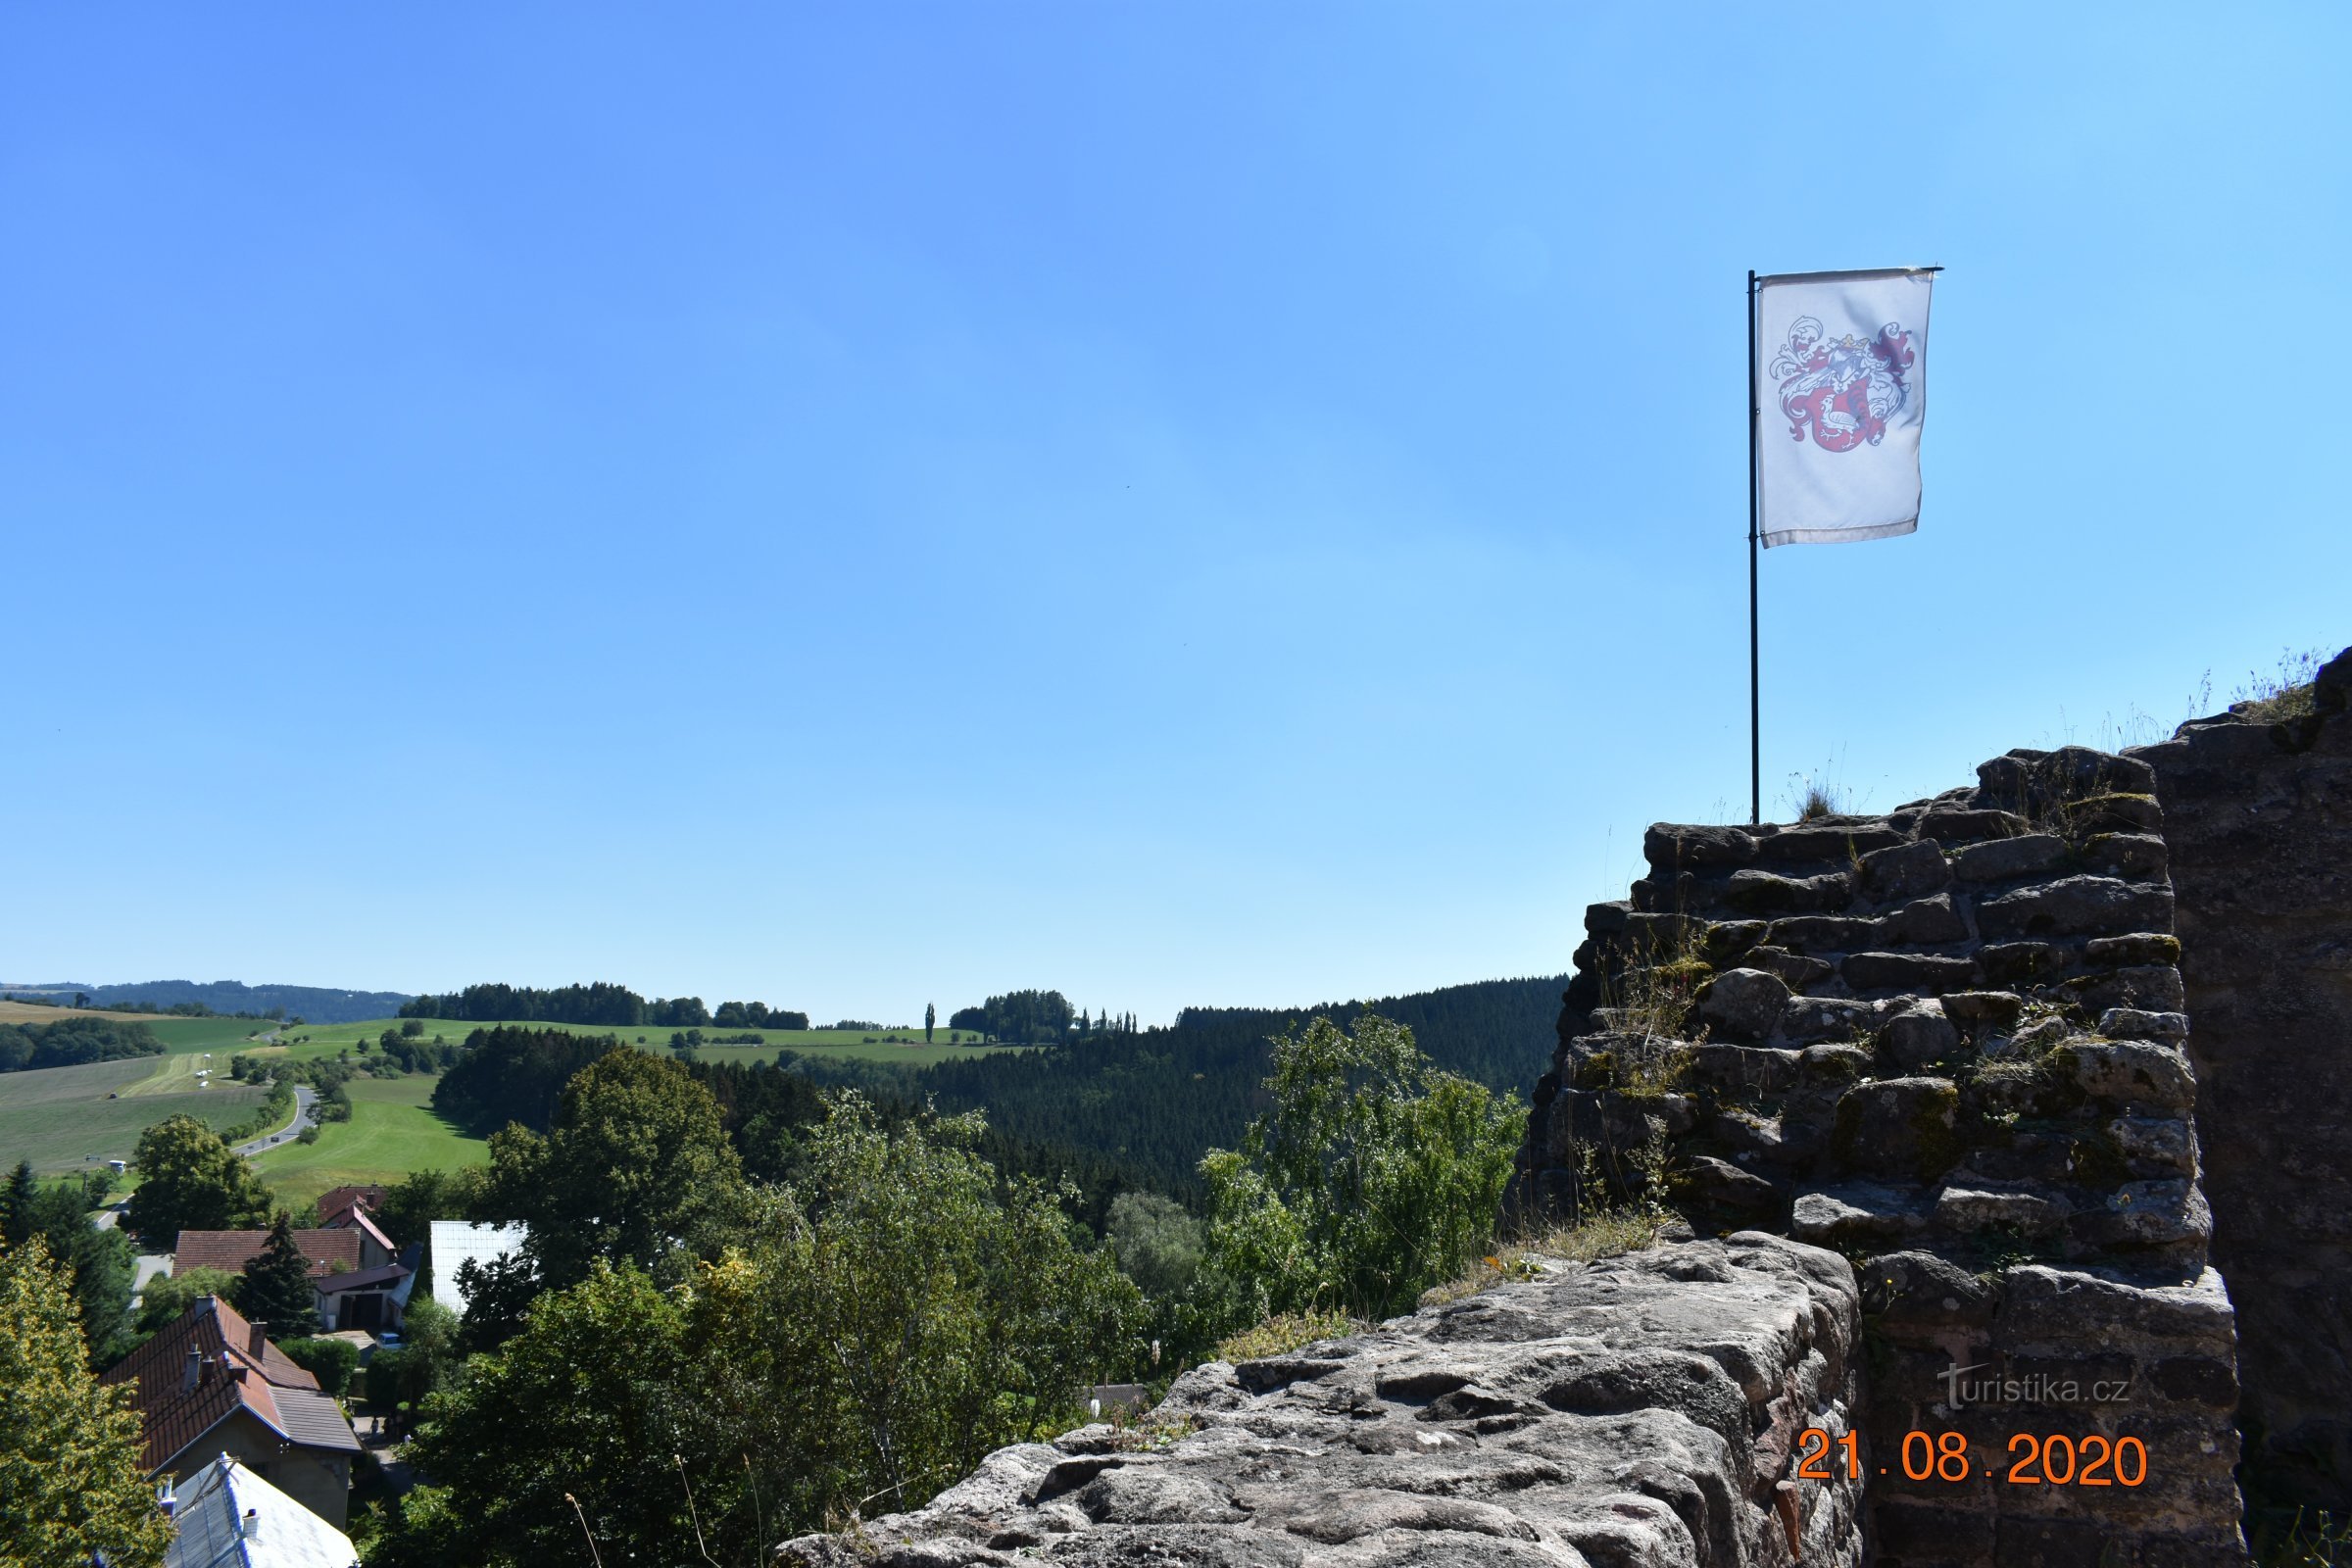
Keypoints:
pixel 166 1296
pixel 331 1361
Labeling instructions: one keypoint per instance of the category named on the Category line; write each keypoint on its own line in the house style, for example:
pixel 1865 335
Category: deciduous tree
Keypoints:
pixel 190 1180
pixel 70 1478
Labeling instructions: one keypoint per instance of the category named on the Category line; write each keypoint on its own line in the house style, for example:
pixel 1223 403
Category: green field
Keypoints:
pixel 392 1131
pixel 56 1117
pixel 326 1040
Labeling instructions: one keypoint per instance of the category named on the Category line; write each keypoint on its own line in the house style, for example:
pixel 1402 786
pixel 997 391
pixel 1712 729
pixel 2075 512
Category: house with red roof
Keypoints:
pixel 361 1279
pixel 211 1384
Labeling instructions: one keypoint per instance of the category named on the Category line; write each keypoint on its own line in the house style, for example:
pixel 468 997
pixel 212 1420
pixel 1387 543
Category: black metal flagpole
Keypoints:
pixel 1755 700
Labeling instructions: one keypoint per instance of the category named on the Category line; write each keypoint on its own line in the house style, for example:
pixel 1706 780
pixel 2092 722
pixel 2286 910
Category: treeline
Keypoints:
pixel 1033 1018
pixel 516 1075
pixel 229 999
pixel 70 1042
pixel 599 1005
pixel 1157 1100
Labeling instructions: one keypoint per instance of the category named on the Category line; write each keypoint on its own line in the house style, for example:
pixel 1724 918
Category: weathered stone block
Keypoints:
pixel 1962 824
pixel 1857 1212
pixel 1836 841
pixel 1966 1209
pixel 2129 1072
pixel 2010 964
pixel 1756 892
pixel 1800 971
pixel 1815 1018
pixel 1743 1003
pixel 1822 933
pixel 1920 1036
pixel 1648 1402
pixel 2076 905
pixel 1996 1010
pixel 1925 922
pixel 2128 1023
pixel 2006 859
pixel 2156 1146
pixel 1905 872
pixel 2138 948
pixel 1907 971
pixel 2114 813
pixel 2147 987
pixel 1671 846
pixel 1832 1064
pixel 1728 941
pixel 1898 1127
pixel 1742 1069
pixel 1607 919
pixel 2141 857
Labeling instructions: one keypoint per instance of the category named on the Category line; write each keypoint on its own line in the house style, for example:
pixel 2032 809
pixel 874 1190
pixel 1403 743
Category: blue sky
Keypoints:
pixel 856 507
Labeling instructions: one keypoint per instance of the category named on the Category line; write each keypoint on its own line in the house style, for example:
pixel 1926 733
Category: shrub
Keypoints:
pixel 331 1361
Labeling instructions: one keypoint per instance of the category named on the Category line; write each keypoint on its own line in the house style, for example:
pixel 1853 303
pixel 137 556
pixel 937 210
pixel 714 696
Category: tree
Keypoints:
pixel 1156 1243
pixel 190 1180
pixel 930 1017
pixel 865 1341
pixel 166 1296
pixel 70 1478
pixel 1368 1179
pixel 99 1263
pixel 637 1166
pixel 276 1287
pixel 16 1206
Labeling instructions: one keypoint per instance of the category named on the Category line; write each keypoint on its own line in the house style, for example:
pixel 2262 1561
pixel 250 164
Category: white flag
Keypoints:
pixel 1842 394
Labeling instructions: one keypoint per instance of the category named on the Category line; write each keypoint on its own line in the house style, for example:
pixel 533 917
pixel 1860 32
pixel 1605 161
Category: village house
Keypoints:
pixel 211 1384
pixel 226 1516
pixel 361 1279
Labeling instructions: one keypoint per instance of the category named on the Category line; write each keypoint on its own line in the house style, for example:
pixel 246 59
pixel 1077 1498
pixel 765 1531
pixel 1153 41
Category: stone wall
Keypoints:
pixel 1948 1043
pixel 1638 1412
pixel 2259 820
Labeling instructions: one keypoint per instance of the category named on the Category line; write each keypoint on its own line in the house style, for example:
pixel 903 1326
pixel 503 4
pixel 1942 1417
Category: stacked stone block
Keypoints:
pixel 1948 1042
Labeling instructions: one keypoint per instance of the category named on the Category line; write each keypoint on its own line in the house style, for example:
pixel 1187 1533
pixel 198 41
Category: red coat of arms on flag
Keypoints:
pixel 1841 389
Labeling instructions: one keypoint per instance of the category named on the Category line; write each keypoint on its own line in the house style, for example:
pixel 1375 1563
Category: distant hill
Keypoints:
pixel 316 1004
pixel 1156 1101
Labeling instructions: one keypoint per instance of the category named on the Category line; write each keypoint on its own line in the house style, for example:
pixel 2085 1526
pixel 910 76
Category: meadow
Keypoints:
pixel 61 1119
pixel 900 1045
pixel 392 1131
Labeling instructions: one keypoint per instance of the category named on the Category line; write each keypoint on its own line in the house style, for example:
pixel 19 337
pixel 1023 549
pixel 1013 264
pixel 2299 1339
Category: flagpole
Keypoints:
pixel 1755 700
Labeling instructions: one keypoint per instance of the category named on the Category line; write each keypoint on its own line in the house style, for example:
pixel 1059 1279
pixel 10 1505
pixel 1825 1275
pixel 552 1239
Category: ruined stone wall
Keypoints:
pixel 1948 1043
pixel 1638 1412
pixel 2259 820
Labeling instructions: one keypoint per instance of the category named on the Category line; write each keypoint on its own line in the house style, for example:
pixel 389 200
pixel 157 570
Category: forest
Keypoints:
pixel 70 1042
pixel 601 1003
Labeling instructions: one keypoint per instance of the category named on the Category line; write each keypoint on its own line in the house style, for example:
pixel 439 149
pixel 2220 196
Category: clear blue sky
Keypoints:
pixel 860 506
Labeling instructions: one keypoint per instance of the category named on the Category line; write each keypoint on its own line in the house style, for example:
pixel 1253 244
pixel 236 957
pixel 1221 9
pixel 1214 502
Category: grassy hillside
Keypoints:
pixel 902 1045
pixel 392 1131
pixel 56 1117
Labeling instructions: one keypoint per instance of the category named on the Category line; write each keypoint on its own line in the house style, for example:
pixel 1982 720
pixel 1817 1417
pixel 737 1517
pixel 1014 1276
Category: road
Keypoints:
pixel 306 1100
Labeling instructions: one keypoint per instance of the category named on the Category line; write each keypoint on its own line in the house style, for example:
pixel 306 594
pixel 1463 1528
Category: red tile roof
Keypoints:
pixel 339 1199
pixel 269 1385
pixel 354 1217
pixel 328 1251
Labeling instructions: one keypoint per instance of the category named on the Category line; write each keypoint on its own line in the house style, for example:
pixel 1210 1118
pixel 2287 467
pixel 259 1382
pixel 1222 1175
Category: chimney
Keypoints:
pixel 251 1529
pixel 194 1372
pixel 204 1369
pixel 255 1339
